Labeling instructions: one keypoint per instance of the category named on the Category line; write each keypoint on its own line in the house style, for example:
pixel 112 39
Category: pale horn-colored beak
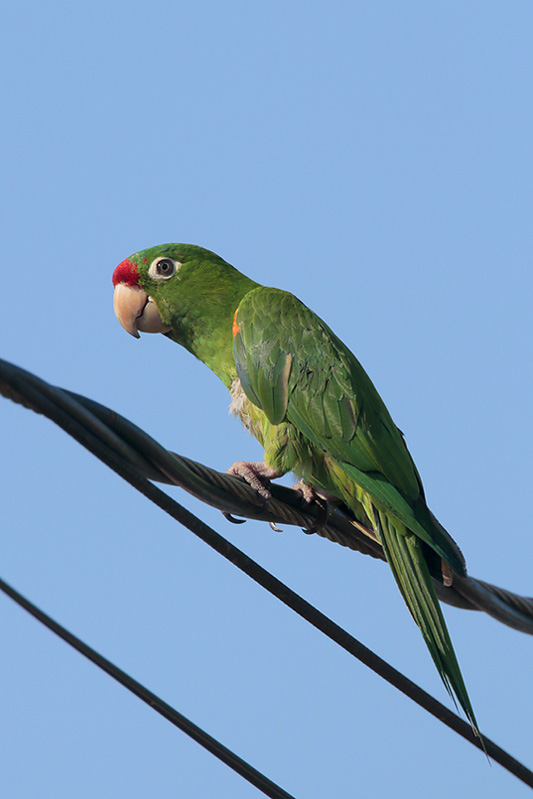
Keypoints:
pixel 135 311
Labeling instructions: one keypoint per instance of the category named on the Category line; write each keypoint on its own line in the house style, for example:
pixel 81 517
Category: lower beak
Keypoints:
pixel 135 311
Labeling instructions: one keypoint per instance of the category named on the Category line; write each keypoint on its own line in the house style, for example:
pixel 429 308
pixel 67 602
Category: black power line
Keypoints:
pixel 196 733
pixel 62 408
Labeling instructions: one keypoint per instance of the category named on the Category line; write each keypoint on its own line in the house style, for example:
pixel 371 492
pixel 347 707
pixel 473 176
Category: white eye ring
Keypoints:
pixel 163 268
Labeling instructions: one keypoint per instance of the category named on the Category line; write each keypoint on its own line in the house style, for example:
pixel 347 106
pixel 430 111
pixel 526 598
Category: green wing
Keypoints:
pixel 294 367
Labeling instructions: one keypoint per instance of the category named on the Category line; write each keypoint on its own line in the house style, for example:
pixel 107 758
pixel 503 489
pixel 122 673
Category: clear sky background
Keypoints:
pixel 376 160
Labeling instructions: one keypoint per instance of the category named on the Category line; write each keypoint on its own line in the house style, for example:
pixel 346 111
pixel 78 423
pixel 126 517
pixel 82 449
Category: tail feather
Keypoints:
pixel 405 556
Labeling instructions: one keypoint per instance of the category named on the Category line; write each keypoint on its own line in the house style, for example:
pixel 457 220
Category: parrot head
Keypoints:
pixel 185 292
pixel 146 284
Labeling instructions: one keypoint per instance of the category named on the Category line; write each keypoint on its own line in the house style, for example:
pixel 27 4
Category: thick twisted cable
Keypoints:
pixel 234 496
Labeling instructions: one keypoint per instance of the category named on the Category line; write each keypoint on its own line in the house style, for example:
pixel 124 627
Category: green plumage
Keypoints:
pixel 316 412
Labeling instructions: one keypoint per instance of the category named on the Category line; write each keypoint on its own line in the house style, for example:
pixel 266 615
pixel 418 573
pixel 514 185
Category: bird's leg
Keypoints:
pixel 257 474
pixel 310 495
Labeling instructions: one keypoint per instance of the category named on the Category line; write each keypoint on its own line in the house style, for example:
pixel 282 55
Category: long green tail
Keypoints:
pixel 405 556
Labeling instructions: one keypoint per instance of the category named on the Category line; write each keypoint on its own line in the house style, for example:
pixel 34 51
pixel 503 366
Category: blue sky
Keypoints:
pixel 375 159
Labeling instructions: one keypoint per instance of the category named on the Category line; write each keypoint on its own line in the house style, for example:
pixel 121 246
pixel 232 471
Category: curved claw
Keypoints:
pixel 312 497
pixel 275 527
pixel 322 517
pixel 315 528
pixel 232 519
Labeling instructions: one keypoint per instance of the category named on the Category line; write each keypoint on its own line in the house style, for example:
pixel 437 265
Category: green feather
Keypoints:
pixel 406 558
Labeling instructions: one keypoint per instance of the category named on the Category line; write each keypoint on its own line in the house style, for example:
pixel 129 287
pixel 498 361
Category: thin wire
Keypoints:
pixel 152 700
pixel 42 401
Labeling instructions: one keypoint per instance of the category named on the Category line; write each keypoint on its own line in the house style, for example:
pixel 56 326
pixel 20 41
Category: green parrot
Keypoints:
pixel 306 398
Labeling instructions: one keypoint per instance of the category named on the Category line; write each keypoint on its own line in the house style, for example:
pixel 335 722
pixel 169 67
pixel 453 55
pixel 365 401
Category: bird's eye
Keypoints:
pixel 163 268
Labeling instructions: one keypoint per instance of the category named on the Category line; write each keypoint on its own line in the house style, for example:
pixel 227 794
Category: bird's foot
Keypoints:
pixel 311 496
pixel 257 474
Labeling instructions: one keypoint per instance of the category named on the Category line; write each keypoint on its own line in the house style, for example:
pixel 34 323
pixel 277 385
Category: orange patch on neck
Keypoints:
pixel 236 327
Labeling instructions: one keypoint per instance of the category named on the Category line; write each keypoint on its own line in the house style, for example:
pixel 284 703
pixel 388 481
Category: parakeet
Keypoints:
pixel 306 398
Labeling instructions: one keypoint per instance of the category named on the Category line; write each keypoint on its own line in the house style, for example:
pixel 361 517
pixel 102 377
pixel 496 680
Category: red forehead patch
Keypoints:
pixel 126 272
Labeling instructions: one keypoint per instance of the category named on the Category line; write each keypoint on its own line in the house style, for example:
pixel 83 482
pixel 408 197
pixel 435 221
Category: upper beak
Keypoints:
pixel 135 311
